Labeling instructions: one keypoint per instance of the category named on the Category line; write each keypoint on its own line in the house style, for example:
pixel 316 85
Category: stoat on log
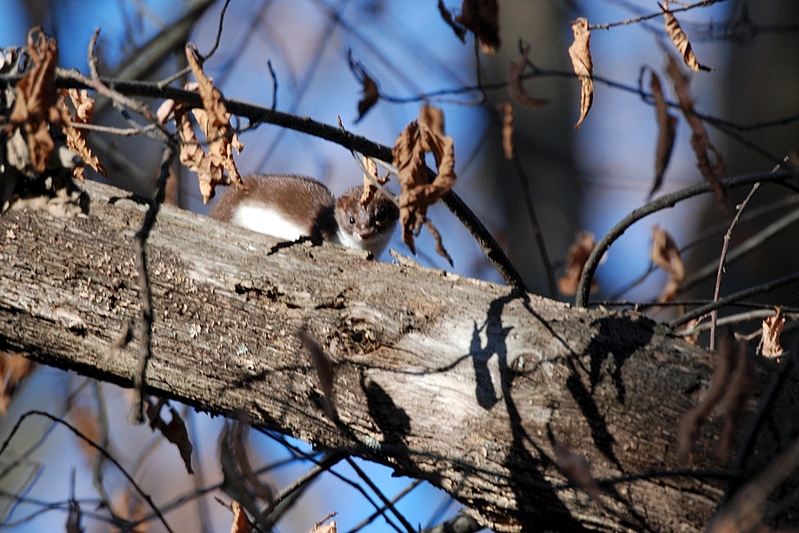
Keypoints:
pixel 290 207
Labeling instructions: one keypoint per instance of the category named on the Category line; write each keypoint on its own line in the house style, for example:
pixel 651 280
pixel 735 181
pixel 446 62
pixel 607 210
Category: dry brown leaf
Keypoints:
pixel 324 526
pixel 507 129
pixel 174 431
pixel 214 120
pixel 165 111
pixel 325 371
pixel 446 15
pixel 481 17
pixel 433 118
pixel 370 176
pixel 700 141
pixel 575 262
pixel 772 329
pixel 76 137
pixel 680 39
pixel 516 79
pixel 36 105
pixel 664 253
pixel 13 369
pixel 417 194
pixel 371 93
pixel 583 65
pixel 439 243
pixel 693 338
pixel 667 129
pixel 577 469
pixel 241 524
pixel 369 98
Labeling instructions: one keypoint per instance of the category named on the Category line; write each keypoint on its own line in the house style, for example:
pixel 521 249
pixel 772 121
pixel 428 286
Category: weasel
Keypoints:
pixel 290 207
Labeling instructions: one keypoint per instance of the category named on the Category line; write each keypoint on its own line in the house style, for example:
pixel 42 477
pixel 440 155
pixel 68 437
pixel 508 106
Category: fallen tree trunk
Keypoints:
pixel 453 380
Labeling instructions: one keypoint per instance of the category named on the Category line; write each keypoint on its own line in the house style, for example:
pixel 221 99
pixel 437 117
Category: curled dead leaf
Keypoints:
pixel 507 129
pixel 667 130
pixel 772 329
pixel 481 17
pixel 694 337
pixel 165 111
pixel 370 176
pixel 440 250
pixel 214 121
pixel 433 118
pixel 680 39
pixel 36 104
pixel 516 79
pixel 76 137
pixel 323 526
pixel 370 96
pixel 579 251
pixel 700 140
pixel 583 65
pixel 416 193
pixel 664 254
pixel 174 431
pixel 371 93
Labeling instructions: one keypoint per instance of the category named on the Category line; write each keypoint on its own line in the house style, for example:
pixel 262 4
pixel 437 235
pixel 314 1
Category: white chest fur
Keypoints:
pixel 264 219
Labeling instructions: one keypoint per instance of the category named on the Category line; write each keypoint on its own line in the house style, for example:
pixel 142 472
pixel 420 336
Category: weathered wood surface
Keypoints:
pixel 449 379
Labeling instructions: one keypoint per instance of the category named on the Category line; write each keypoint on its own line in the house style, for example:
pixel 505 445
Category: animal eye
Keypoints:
pixel 352 220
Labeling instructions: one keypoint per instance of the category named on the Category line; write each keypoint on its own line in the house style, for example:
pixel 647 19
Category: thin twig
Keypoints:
pixel 91 58
pixel 758 289
pixel 287 497
pixel 274 83
pixel 146 326
pixel 97 466
pixel 218 37
pixel 642 18
pixel 282 440
pixel 94 445
pixel 723 260
pixel 371 518
pixel 738 318
pixel 710 232
pixel 752 243
pixel 376 490
pixel 102 88
pixel 664 202
pixel 122 132
pixel 524 182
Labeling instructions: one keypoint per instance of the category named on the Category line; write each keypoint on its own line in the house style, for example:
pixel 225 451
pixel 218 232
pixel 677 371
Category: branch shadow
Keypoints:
pixel 539 506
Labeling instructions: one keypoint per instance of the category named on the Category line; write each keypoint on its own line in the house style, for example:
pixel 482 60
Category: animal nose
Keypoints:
pixel 365 234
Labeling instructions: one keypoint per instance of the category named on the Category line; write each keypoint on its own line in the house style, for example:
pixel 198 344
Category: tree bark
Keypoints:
pixel 453 380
